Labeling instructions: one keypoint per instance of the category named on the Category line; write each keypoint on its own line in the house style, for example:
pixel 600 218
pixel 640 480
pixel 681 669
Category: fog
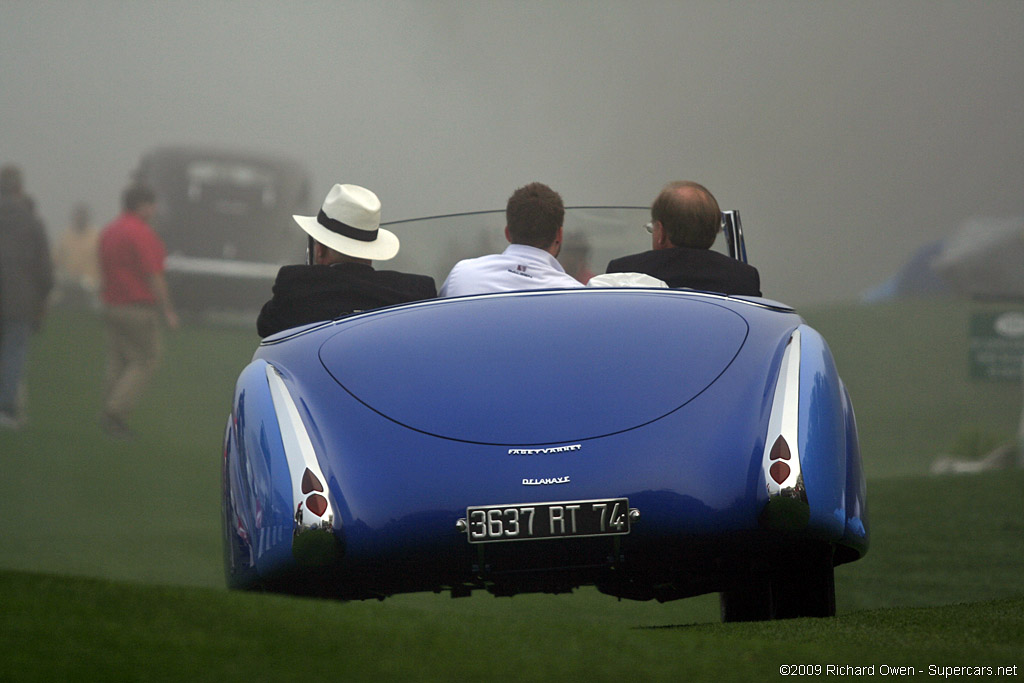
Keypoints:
pixel 847 133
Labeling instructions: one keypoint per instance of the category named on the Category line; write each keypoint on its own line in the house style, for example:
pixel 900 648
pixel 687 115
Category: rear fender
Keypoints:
pixel 823 441
pixel 281 491
pixel 857 536
pixel 805 461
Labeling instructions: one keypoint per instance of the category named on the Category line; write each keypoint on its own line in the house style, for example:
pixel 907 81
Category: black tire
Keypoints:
pixel 806 590
pixel 802 586
pixel 750 602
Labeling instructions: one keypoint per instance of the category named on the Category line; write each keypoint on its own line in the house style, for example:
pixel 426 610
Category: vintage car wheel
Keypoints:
pixel 751 602
pixel 803 586
pixel 807 590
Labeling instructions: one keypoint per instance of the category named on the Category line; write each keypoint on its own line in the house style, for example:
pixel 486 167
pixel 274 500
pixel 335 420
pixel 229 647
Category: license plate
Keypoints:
pixel 531 521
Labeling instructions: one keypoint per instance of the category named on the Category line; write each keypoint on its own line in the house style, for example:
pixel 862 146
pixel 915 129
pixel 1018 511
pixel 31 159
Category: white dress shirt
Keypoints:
pixel 518 267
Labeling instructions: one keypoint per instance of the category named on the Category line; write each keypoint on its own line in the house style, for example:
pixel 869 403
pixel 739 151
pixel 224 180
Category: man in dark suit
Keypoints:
pixel 26 277
pixel 685 220
pixel 345 238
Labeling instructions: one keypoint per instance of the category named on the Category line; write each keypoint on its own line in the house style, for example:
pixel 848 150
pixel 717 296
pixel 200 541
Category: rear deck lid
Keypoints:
pixel 536 368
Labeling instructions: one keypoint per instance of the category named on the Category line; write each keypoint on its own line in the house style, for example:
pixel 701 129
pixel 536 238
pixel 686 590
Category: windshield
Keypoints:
pixel 593 236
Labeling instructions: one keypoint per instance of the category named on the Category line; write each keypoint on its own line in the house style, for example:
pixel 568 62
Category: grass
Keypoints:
pixel 85 629
pixel 906 367
pixel 77 502
pixel 941 585
pixel 939 540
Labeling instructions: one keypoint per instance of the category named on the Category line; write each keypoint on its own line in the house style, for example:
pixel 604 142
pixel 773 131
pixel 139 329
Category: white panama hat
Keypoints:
pixel 349 223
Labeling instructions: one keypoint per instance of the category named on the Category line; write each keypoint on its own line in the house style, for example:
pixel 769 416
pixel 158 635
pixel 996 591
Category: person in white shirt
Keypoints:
pixel 534 216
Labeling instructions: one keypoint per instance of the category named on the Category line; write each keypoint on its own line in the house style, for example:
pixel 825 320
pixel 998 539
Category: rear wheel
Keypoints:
pixel 806 591
pixel 803 586
pixel 749 602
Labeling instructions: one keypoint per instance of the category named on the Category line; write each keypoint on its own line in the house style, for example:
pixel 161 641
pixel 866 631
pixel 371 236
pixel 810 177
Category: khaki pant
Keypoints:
pixel 134 348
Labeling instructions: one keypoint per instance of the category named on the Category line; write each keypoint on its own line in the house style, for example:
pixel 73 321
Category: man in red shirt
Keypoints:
pixel 135 296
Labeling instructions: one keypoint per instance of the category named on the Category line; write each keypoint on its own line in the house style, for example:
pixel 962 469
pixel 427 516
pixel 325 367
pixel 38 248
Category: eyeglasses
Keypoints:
pixel 649 227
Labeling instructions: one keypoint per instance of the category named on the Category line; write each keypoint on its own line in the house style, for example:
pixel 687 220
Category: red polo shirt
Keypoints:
pixel 130 253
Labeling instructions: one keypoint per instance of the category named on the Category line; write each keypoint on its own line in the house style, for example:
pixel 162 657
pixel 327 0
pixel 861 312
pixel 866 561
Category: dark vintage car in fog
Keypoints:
pixel 225 217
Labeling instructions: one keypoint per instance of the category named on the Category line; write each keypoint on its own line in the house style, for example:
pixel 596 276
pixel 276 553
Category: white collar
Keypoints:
pixel 533 253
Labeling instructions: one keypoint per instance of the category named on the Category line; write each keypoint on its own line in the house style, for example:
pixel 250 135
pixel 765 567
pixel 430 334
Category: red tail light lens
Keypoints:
pixel 779 472
pixel 316 504
pixel 780 450
pixel 310 483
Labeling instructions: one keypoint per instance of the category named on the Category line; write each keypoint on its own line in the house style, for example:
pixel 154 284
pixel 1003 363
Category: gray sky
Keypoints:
pixel 847 133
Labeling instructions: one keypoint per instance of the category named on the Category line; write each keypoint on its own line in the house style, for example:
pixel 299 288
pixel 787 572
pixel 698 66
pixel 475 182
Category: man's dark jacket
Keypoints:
pixel 701 269
pixel 26 273
pixel 308 294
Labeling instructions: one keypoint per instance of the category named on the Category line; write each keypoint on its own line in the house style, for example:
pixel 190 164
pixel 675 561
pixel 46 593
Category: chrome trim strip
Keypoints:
pixel 784 422
pixel 298 449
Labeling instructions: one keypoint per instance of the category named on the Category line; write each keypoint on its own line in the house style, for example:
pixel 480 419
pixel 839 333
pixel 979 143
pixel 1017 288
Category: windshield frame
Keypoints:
pixel 593 235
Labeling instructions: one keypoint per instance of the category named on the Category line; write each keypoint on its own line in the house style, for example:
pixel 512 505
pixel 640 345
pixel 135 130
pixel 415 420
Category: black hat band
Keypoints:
pixel 346 230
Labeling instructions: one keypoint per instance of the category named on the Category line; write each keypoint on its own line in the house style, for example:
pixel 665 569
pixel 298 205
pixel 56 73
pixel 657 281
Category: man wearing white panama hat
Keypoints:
pixel 346 238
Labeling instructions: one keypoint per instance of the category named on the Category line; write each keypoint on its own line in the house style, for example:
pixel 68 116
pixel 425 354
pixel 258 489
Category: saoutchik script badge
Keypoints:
pixel 544 451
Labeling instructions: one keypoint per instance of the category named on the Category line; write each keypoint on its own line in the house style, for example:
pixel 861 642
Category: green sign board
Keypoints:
pixel 997 344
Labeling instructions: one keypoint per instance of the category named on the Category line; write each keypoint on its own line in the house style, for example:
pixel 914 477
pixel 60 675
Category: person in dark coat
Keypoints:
pixel 26 278
pixel 685 220
pixel 345 239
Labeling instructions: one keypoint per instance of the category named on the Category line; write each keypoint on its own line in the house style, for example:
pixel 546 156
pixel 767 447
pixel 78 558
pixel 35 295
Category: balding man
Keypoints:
pixel 685 220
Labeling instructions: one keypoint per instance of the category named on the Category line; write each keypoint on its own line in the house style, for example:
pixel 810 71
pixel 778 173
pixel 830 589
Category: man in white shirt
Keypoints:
pixel 534 216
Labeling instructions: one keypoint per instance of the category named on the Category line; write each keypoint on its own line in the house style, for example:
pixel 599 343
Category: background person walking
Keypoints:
pixel 135 296
pixel 26 278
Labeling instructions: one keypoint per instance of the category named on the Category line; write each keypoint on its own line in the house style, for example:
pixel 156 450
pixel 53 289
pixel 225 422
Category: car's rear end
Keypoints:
pixel 639 440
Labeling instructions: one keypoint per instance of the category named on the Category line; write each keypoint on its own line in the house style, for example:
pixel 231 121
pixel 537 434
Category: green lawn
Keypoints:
pixel 78 629
pixel 74 501
pixel 906 366
pixel 942 583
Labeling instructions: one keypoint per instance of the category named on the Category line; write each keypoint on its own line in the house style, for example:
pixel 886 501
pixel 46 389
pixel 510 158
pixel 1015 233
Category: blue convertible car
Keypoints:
pixel 654 443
